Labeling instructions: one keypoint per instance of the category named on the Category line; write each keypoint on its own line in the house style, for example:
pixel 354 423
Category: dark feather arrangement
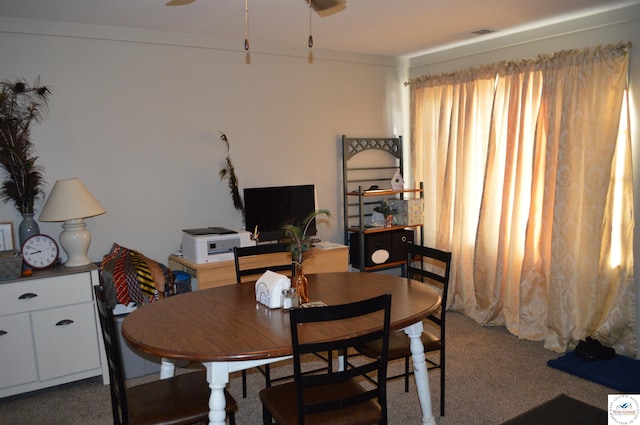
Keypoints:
pixel 228 172
pixel 21 105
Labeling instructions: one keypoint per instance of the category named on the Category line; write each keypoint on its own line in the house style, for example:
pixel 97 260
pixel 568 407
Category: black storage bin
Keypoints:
pixel 380 247
pixel 182 282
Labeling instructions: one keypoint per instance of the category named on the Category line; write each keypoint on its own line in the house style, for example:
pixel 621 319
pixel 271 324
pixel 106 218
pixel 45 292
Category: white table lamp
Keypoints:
pixel 71 202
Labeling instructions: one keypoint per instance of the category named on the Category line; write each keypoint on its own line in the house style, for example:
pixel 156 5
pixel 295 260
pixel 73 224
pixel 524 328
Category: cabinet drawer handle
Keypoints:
pixel 2 332
pixel 64 322
pixel 27 296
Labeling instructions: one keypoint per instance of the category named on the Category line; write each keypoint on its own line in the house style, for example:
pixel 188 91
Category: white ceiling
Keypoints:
pixel 378 27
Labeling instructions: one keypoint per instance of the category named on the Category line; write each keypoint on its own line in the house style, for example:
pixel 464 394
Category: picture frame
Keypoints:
pixel 7 240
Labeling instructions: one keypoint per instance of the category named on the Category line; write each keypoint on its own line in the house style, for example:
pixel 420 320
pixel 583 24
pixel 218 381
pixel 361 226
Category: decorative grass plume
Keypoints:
pixel 21 105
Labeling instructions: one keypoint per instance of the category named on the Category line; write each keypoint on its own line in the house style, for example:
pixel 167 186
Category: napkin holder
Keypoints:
pixel 269 288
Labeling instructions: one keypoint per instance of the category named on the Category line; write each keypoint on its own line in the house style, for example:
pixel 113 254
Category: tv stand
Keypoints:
pixel 334 258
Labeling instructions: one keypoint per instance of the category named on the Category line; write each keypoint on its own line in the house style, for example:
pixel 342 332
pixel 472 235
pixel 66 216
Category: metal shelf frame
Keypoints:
pixel 360 198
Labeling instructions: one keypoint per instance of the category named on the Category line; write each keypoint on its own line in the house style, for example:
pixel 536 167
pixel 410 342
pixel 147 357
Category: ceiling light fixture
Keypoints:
pixel 322 7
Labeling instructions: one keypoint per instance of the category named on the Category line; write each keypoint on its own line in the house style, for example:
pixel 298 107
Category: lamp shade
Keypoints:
pixel 70 199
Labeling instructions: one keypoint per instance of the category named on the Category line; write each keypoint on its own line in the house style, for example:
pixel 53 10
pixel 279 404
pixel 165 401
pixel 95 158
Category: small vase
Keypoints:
pixel 28 227
pixel 388 221
pixel 301 284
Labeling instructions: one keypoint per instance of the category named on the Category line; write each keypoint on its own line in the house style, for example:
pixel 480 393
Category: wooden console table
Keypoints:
pixel 220 273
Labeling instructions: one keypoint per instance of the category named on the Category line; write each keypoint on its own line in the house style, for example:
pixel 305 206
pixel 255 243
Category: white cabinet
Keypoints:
pixel 49 332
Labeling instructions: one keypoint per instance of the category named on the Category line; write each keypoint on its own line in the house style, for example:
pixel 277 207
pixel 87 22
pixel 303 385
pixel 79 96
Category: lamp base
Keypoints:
pixel 75 240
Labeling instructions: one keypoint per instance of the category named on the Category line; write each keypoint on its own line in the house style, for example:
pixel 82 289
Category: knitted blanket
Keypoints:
pixel 129 276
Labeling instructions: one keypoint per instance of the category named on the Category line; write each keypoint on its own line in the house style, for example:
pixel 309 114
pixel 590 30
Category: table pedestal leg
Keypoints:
pixel 420 372
pixel 217 377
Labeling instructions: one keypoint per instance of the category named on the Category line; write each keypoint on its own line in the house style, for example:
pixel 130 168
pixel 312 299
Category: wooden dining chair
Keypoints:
pixel 332 397
pixel 431 266
pixel 181 399
pixel 253 261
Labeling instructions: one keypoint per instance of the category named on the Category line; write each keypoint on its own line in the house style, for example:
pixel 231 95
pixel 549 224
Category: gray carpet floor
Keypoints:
pixel 492 376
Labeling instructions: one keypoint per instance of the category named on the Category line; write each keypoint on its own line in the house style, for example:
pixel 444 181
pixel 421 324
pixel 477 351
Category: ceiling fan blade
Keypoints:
pixel 179 2
pixel 327 7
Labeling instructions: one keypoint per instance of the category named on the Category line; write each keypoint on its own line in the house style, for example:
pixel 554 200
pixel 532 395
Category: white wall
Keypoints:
pixel 611 27
pixel 136 115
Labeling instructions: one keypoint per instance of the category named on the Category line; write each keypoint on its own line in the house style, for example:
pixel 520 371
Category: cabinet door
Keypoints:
pixel 66 340
pixel 17 357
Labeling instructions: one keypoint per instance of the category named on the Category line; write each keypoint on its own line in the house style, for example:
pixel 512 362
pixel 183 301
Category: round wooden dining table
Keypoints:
pixel 227 330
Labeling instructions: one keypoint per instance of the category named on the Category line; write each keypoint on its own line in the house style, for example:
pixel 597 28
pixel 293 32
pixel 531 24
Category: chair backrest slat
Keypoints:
pixel 257 250
pixel 422 264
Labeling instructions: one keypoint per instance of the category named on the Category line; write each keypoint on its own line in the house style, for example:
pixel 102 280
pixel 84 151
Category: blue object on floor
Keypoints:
pixel 619 373
pixel 182 281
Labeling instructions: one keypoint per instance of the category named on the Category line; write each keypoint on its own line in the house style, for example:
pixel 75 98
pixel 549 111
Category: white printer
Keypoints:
pixel 212 244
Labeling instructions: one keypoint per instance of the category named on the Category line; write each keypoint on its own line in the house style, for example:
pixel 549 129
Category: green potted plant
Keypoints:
pixel 299 244
pixel 21 105
pixel 387 209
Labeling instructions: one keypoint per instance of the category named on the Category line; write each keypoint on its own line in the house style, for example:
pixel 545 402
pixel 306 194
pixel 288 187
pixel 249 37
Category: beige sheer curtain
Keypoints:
pixel 528 181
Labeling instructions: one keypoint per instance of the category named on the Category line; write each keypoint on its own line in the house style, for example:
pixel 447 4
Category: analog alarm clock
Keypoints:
pixel 40 251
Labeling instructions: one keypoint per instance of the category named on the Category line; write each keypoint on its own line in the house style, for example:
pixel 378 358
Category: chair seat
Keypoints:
pixel 281 400
pixel 399 346
pixel 182 399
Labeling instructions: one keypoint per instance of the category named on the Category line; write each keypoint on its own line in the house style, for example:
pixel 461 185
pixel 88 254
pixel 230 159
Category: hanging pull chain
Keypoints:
pixel 246 24
pixel 310 36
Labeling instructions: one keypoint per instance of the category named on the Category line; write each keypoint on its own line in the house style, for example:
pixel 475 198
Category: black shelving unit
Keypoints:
pixel 368 166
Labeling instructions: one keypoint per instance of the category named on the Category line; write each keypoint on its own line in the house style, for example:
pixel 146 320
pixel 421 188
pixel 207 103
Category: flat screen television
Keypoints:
pixel 269 208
